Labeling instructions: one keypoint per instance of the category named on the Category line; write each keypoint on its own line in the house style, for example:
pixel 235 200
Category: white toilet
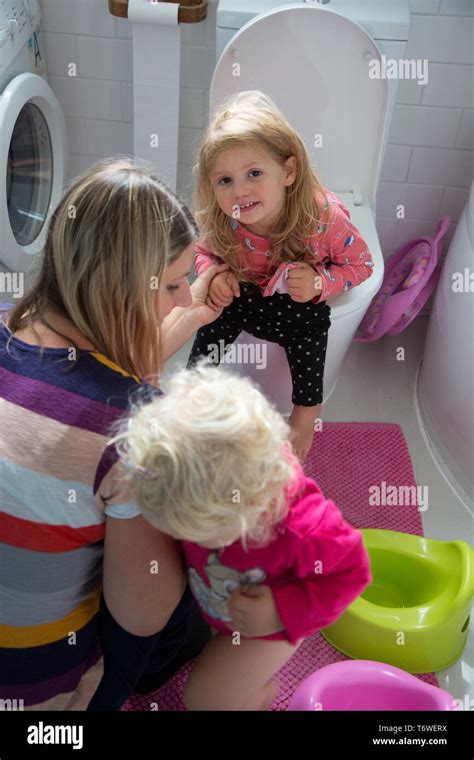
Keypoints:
pixel 314 63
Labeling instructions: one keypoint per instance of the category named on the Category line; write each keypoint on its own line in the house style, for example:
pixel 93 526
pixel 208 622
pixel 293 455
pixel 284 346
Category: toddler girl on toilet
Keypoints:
pixel 289 244
pixel 269 559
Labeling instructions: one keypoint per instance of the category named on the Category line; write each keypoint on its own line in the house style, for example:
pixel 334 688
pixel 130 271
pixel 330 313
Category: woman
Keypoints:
pixel 111 304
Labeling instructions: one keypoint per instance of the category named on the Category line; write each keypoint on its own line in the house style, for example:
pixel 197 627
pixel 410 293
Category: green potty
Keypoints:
pixel 415 613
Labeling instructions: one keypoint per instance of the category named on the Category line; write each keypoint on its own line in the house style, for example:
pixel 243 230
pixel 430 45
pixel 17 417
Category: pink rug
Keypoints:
pixel 345 460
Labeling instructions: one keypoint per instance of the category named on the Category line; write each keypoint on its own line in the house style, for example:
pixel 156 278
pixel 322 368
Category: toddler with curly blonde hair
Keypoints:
pixel 269 559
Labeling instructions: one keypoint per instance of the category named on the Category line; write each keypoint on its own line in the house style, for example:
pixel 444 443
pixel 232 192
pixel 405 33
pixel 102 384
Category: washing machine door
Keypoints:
pixel 33 144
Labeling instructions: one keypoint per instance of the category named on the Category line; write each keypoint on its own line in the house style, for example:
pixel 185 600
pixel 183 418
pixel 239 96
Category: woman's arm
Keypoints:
pixel 144 577
pixel 184 321
pixel 177 328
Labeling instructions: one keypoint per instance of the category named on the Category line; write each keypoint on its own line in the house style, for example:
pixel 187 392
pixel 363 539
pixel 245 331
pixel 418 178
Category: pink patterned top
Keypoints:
pixel 338 253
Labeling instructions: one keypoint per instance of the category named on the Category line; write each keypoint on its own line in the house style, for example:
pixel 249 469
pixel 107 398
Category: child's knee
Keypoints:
pixel 199 696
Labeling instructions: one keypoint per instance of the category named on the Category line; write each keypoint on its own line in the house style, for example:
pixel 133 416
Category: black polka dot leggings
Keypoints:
pixel 300 328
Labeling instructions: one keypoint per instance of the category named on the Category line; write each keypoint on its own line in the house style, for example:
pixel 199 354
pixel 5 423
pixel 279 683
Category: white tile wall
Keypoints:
pixel 429 158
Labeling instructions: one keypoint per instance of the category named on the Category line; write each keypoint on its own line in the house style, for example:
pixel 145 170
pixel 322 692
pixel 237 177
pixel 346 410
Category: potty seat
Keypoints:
pixel 410 277
pixel 415 614
pixel 367 685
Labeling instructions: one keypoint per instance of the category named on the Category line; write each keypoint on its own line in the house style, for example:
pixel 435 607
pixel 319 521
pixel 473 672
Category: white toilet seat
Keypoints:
pixel 324 88
pixel 351 301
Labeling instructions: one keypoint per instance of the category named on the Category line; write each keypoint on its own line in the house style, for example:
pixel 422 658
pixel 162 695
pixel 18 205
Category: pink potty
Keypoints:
pixel 410 277
pixel 367 685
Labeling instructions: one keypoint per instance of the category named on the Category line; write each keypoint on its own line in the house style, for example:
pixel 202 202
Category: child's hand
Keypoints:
pixel 224 286
pixel 254 613
pixel 303 283
pixel 199 292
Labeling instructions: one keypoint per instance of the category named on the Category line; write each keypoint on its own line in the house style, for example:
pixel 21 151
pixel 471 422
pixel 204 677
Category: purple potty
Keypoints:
pixel 411 275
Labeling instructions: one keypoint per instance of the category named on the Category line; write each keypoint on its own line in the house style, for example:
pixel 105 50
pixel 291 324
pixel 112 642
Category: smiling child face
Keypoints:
pixel 250 175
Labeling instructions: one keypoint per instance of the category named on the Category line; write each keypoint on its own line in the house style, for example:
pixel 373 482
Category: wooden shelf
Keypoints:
pixel 190 11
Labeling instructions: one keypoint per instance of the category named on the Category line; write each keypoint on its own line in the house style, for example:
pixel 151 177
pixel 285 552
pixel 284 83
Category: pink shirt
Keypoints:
pixel 338 252
pixel 316 566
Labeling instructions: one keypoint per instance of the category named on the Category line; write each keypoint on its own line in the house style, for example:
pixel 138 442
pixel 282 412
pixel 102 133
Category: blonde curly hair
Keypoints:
pixel 209 457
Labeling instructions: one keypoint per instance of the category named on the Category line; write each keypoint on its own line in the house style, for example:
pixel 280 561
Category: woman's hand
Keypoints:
pixel 201 307
pixel 304 283
pixel 254 612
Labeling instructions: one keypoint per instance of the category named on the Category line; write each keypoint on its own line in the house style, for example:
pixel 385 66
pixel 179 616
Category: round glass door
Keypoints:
pixel 29 174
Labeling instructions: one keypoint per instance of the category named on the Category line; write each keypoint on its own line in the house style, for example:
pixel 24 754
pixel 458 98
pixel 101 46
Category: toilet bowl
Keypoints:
pixel 321 82
pixel 415 613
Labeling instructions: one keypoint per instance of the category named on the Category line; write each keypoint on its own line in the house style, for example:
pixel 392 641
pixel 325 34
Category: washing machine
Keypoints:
pixel 33 137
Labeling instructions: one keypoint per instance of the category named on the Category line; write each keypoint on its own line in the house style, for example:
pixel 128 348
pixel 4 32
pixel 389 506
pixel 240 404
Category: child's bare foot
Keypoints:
pixel 302 421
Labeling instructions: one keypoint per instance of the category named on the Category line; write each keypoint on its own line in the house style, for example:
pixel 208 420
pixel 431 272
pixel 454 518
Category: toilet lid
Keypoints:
pixel 315 64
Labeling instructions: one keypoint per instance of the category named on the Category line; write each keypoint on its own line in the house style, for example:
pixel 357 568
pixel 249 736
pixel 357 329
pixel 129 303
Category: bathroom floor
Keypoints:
pixel 389 397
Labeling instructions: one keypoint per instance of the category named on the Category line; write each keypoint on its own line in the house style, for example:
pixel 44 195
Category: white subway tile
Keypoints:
pixel 386 232
pixel 420 125
pixel 410 229
pixel 88 97
pixel 60 51
pixel 127 101
pixel 441 166
pixel 389 196
pixel 123 28
pixel 396 161
pixel 424 6
pixel 197 66
pixel 465 137
pixel 441 39
pixel 454 200
pixel 203 33
pixel 189 144
pixel 73 17
pixel 419 201
pixel 423 201
pixel 78 164
pixel 409 91
pixel 109 138
pixel 457 7
pixel 77 135
pixel 105 58
pixel 192 107
pixel 449 85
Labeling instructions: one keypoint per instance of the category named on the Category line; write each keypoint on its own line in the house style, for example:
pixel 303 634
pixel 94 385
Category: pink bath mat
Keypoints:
pixel 346 460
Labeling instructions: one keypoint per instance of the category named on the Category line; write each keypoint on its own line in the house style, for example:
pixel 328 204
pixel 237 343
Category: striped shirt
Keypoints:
pixel 58 481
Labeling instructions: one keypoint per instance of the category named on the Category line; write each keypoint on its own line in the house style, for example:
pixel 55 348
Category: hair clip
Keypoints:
pixel 142 472
pixel 146 474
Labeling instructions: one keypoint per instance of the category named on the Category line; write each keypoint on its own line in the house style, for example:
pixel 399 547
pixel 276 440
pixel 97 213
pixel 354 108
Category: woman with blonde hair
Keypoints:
pixel 111 303
pixel 270 560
